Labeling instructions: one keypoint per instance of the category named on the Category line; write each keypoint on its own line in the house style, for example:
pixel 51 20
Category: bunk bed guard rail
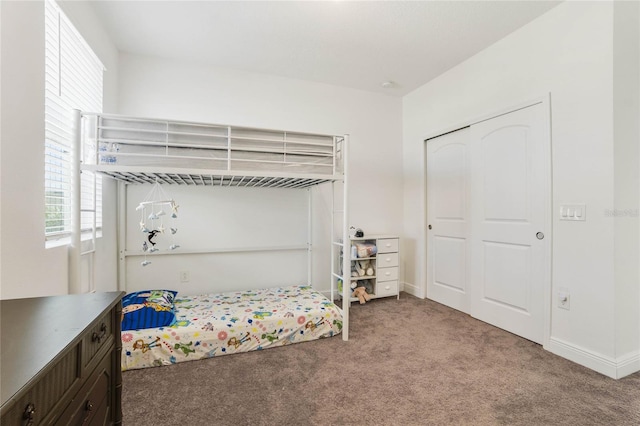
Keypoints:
pixel 142 150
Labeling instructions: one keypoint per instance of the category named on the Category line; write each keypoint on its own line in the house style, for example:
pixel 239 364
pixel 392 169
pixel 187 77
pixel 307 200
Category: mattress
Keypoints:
pixel 211 325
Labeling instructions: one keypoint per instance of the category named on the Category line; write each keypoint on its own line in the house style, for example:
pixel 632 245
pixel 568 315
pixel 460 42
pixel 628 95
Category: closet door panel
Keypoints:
pixel 508 199
pixel 448 218
pixel 506 264
pixel 449 264
pixel 505 182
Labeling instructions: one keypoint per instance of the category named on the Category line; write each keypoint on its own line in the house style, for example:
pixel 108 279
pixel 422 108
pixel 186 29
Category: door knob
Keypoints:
pixel 429 226
pixel 539 235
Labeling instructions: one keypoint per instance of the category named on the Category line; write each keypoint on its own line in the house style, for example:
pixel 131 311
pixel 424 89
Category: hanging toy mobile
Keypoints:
pixel 152 212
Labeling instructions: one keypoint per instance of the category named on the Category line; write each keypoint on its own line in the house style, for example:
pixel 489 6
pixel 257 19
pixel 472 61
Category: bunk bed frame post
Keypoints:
pixel 309 239
pixel 94 235
pixel 122 234
pixel 76 240
pixel 332 240
pixel 332 229
pixel 346 246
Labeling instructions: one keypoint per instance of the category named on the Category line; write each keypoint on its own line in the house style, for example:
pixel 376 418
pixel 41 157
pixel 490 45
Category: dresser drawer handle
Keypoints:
pixel 95 337
pixel 88 406
pixel 387 273
pixel 29 413
pixel 388 259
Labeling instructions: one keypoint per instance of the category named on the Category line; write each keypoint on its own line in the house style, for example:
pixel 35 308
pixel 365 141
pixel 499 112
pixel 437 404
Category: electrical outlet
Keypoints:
pixel 564 300
pixel 184 276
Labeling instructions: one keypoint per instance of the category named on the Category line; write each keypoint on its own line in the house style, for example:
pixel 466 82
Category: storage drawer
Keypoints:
pixel 385 260
pixel 100 335
pixel 49 393
pixel 56 365
pixel 21 412
pixel 91 404
pixel 387 274
pixel 386 288
pixel 387 245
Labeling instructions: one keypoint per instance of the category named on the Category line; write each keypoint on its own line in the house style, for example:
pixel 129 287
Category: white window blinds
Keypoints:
pixel 73 80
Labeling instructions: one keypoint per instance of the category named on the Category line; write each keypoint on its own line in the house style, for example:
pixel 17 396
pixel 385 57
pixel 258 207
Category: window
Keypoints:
pixel 73 80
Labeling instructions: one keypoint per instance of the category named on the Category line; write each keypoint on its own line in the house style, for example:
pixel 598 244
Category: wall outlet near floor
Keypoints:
pixel 184 276
pixel 564 299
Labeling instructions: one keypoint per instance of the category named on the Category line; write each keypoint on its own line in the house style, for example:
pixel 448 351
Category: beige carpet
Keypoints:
pixel 408 362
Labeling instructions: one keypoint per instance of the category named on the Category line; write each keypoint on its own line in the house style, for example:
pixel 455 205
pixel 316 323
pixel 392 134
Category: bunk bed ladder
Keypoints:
pixel 309 238
pixel 121 229
pixel 340 244
pixel 76 237
pixel 75 247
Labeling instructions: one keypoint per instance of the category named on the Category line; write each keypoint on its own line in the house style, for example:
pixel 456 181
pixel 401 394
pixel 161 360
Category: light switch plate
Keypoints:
pixel 574 212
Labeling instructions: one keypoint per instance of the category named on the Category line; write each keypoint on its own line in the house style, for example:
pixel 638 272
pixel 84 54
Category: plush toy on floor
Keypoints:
pixel 362 290
pixel 361 294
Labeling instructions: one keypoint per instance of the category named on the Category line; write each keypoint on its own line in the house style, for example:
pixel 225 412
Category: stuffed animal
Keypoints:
pixel 368 285
pixel 352 285
pixel 355 232
pixel 355 272
pixel 363 267
pixel 361 294
pixel 363 291
pixel 366 249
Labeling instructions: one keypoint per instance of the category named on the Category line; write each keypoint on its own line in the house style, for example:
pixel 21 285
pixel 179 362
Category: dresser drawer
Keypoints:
pixel 99 336
pixel 91 404
pixel 387 245
pixel 387 274
pixel 385 260
pixel 57 385
pixel 20 412
pixel 386 288
pixel 60 357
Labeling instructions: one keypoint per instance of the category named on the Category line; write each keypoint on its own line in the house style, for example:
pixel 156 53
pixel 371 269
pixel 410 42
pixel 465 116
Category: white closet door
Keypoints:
pixel 448 218
pixel 509 198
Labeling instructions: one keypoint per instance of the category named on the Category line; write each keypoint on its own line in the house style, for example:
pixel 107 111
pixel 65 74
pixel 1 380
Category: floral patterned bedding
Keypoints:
pixel 219 324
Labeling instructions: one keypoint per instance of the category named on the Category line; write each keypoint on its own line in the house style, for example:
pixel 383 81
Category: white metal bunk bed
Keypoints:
pixel 140 150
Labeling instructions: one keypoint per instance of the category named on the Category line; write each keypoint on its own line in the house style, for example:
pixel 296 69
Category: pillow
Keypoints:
pixel 148 309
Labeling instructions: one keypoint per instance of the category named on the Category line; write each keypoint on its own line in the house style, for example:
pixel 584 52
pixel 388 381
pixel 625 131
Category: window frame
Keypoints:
pixel 74 79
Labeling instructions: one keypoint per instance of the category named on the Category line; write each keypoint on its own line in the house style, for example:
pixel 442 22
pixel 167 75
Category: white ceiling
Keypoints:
pixel 352 44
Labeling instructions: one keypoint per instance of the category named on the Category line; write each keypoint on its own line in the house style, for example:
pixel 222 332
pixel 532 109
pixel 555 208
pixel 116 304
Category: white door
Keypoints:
pixel 510 160
pixel 448 218
pixel 488 237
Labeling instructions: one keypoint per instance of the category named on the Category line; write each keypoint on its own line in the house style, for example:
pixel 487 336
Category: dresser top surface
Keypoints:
pixel 34 331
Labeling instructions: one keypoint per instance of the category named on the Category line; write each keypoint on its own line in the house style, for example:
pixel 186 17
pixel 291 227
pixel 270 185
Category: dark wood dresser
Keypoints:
pixel 60 360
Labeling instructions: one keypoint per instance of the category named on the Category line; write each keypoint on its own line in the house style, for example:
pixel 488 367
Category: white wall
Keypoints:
pixel 626 92
pixel 153 87
pixel 567 52
pixel 27 269
pixel 220 218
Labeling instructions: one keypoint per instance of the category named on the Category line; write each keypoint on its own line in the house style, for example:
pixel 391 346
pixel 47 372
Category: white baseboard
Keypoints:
pixel 616 368
pixel 412 289
pixel 628 364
